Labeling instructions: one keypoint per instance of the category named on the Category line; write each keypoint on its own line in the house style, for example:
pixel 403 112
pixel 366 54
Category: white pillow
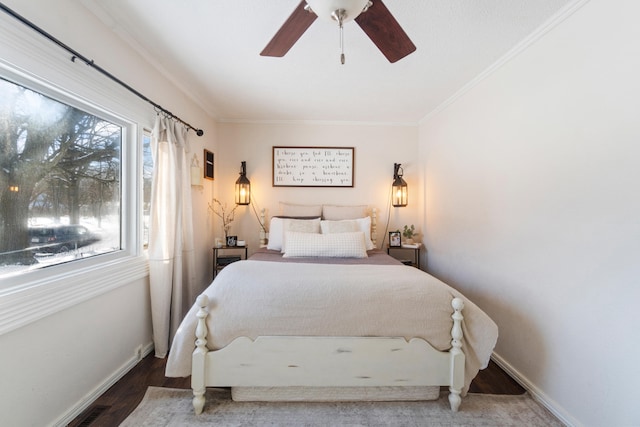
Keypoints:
pixel 335 245
pixel 291 209
pixel 337 212
pixel 276 234
pixel 278 226
pixel 360 224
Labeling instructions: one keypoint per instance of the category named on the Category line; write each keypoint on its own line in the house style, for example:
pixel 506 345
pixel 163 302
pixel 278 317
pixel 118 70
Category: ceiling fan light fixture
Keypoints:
pixel 349 9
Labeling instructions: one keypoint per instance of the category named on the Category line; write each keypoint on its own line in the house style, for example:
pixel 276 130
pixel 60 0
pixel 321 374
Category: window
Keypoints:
pixel 147 177
pixel 60 182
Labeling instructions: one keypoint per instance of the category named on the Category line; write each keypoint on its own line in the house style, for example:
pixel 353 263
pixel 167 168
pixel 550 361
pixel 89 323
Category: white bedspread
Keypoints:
pixel 260 298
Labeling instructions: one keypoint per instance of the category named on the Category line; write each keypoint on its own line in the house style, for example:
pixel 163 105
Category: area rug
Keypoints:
pixel 172 407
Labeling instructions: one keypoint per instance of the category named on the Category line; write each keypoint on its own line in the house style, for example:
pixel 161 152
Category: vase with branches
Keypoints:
pixel 224 213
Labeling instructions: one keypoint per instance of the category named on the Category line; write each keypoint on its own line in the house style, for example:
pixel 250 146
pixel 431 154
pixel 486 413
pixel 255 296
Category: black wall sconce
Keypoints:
pixel 243 186
pixel 399 190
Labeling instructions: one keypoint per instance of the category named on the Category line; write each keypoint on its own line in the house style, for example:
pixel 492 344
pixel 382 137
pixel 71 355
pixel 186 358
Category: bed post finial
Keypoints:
pixel 198 358
pixel 457 356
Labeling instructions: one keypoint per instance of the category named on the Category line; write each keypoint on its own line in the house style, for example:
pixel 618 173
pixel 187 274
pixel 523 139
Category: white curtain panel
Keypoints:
pixel 171 253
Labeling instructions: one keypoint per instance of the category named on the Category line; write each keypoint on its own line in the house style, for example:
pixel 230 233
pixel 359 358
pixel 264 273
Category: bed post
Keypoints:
pixel 263 233
pixel 457 356
pixel 198 359
pixel 374 226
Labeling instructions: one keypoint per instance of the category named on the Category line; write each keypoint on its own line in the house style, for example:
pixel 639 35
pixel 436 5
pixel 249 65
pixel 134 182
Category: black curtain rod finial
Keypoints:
pixel 199 132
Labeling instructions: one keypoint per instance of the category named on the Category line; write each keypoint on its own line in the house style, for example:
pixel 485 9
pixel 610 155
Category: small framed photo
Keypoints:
pixel 232 241
pixel 394 239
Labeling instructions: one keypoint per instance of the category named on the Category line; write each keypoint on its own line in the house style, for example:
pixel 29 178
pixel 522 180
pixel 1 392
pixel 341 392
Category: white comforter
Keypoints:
pixel 260 298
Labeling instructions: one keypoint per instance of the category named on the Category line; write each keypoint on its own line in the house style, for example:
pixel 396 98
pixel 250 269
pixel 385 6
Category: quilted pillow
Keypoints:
pixel 299 226
pixel 360 224
pixel 335 245
pixel 345 226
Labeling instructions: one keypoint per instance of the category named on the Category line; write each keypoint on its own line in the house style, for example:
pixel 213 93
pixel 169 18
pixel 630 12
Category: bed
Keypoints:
pixel 296 324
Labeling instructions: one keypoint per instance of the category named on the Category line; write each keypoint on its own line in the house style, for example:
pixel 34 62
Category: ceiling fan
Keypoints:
pixel 372 16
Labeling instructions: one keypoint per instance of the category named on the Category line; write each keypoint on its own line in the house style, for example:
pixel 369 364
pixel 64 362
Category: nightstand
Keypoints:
pixel 414 261
pixel 227 255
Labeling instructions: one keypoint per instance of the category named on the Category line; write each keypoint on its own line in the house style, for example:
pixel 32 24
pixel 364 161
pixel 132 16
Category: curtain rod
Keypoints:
pixel 92 64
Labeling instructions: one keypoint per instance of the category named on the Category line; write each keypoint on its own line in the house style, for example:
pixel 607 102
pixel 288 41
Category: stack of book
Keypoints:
pixel 412 245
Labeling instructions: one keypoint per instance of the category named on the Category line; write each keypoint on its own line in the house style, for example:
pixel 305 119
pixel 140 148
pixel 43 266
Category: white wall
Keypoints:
pixel 377 148
pixel 48 366
pixel 51 367
pixel 532 210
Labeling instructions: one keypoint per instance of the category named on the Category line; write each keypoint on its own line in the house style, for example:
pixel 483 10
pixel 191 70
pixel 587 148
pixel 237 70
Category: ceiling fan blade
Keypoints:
pixel 385 32
pixel 290 32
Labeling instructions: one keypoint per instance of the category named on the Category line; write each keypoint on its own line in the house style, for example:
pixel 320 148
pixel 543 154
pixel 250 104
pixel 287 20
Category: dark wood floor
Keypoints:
pixel 122 398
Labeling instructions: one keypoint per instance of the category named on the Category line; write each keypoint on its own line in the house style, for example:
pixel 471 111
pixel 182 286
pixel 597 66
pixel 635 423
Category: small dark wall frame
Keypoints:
pixel 208 164
pixel 395 239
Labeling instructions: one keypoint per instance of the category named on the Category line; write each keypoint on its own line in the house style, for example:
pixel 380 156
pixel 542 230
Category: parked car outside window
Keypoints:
pixel 60 238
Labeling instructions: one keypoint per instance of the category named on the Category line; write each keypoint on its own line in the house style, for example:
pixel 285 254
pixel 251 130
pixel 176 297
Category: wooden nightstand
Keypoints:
pixel 415 261
pixel 220 260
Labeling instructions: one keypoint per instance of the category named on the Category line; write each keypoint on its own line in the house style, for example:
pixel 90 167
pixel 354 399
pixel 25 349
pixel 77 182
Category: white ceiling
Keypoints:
pixel 210 48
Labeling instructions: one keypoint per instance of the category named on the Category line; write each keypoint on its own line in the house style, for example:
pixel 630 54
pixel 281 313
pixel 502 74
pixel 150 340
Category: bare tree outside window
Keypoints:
pixel 60 171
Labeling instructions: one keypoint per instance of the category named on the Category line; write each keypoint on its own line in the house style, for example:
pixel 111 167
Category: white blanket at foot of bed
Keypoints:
pixel 260 298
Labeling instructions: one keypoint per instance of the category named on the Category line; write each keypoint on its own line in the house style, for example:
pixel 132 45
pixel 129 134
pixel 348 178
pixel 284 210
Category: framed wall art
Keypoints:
pixel 313 166
pixel 208 164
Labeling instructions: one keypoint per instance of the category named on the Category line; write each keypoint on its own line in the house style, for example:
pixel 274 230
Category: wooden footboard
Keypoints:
pixel 351 362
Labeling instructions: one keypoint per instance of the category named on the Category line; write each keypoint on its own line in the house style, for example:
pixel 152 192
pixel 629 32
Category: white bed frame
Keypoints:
pixel 328 368
pixel 286 368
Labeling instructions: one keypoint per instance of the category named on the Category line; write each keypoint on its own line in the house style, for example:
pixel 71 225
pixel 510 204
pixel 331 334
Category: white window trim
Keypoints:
pixel 28 59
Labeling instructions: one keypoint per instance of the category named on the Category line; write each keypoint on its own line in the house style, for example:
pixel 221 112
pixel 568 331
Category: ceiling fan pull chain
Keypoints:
pixel 342 58
pixel 339 15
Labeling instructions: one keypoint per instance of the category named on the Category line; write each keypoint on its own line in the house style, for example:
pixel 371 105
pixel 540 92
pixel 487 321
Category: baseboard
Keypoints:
pixel 536 393
pixel 83 404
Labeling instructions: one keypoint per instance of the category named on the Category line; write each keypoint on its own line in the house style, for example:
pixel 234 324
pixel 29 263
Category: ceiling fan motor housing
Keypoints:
pixel 325 9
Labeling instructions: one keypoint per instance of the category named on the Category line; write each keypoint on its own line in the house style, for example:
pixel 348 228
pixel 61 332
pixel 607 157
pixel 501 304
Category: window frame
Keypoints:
pixel 30 296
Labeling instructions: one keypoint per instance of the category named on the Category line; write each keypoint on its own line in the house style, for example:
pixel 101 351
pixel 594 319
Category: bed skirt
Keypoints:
pixel 334 394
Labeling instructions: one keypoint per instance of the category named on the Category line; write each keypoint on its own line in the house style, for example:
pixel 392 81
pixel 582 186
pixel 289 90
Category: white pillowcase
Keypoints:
pixel 278 227
pixel 346 225
pixel 275 234
pixel 335 245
